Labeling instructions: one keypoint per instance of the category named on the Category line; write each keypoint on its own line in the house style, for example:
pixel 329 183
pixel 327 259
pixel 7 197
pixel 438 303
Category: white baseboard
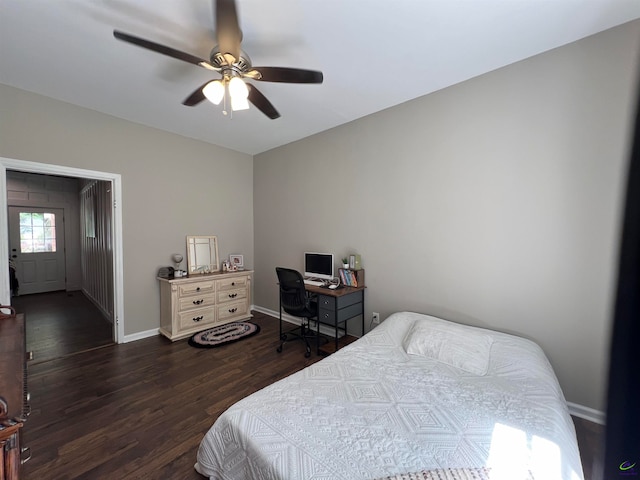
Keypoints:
pixel 140 335
pixel 156 331
pixel 266 311
pixel 591 414
pixel 325 330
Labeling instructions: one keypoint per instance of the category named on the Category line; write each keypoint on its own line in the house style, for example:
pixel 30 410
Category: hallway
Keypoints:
pixel 62 323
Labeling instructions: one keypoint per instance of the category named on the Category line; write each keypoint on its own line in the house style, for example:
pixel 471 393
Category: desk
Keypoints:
pixel 336 307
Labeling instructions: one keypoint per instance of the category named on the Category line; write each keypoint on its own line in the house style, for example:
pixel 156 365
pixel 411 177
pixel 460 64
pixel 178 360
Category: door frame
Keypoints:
pixel 50 169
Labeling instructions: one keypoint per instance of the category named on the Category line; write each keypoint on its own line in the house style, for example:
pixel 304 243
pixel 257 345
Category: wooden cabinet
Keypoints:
pixel 192 304
pixel 14 399
pixel 10 455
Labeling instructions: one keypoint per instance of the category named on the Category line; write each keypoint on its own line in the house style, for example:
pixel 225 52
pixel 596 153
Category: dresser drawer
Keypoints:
pixel 196 288
pixel 231 310
pixel 232 295
pixel 326 301
pixel 231 283
pixel 328 316
pixel 202 317
pixel 196 301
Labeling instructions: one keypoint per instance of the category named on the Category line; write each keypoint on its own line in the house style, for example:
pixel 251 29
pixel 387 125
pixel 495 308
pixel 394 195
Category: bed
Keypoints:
pixel 416 397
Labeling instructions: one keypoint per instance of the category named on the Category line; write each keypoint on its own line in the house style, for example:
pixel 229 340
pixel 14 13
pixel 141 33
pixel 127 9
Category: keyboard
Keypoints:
pixel 315 283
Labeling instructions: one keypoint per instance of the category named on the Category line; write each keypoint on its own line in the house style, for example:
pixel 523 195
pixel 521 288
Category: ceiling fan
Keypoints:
pixel 232 63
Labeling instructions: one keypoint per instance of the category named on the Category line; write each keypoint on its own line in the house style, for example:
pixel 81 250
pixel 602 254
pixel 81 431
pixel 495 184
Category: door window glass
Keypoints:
pixel 37 232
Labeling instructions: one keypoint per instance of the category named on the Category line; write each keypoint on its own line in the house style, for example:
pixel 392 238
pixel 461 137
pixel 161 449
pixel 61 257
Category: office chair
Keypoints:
pixel 295 300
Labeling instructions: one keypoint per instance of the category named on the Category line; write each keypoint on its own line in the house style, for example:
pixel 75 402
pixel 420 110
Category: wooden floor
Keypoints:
pixel 61 324
pixel 139 410
pixel 591 442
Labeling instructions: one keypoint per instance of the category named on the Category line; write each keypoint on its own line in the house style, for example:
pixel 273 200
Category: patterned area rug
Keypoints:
pixel 223 334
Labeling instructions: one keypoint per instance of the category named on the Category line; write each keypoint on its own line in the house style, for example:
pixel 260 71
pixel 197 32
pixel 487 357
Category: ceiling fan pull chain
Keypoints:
pixel 224 101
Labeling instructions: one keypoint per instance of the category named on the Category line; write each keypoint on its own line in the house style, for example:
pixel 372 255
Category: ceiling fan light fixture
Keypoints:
pixel 237 88
pixel 239 103
pixel 214 91
pixel 239 92
pixel 234 65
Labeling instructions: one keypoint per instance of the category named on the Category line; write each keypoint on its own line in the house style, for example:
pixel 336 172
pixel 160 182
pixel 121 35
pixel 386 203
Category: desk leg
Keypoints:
pixel 362 334
pixel 280 310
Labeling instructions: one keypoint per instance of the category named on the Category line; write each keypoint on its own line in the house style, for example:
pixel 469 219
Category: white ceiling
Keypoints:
pixel 374 54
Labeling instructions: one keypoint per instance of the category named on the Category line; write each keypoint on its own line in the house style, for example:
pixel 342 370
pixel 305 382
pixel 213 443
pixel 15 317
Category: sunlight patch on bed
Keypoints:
pixel 515 455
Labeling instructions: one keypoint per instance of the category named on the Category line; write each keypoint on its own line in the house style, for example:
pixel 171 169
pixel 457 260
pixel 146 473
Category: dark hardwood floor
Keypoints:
pixel 591 442
pixel 62 323
pixel 139 410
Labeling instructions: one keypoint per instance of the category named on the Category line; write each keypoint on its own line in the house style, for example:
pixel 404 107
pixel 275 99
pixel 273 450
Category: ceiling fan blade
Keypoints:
pixel 228 31
pixel 260 101
pixel 197 96
pixel 287 75
pixel 171 52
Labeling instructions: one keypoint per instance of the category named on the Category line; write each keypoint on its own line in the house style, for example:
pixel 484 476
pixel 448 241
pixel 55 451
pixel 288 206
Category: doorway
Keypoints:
pixel 115 264
pixel 36 241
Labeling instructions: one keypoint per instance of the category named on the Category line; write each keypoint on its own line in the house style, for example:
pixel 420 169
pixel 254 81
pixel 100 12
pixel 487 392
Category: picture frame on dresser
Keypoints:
pixel 237 260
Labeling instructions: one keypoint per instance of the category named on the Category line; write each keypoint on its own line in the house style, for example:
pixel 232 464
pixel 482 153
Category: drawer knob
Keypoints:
pixel 326 315
pixel 233 283
pixel 198 302
pixel 198 289
pixel 233 295
pixel 197 319
pixel 233 310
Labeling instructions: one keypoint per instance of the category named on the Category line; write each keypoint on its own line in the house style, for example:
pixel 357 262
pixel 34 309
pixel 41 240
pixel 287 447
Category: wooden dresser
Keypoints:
pixel 195 303
pixel 14 399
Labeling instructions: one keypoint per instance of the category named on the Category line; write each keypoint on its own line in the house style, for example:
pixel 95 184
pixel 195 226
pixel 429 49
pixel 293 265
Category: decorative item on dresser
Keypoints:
pixel 14 399
pixel 191 304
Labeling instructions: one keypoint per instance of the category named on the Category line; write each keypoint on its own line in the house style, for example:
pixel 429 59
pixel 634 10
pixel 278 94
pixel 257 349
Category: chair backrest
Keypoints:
pixel 292 291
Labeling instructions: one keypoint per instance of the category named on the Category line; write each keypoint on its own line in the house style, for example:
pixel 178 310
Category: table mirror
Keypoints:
pixel 202 254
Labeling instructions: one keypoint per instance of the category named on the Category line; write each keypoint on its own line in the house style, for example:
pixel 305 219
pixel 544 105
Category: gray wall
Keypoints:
pixel 172 186
pixel 495 202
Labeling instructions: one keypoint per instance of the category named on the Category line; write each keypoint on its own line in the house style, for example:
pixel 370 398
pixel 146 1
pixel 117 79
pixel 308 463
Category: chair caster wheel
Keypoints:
pixel 307 354
pixel 279 349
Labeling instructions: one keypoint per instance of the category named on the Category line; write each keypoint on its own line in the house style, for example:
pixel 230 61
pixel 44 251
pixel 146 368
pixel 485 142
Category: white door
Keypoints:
pixel 36 243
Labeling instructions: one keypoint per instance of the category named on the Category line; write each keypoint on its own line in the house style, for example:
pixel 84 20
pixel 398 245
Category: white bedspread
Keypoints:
pixel 371 410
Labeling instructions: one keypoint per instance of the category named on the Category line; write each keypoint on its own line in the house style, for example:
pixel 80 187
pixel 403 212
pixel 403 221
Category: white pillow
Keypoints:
pixel 466 348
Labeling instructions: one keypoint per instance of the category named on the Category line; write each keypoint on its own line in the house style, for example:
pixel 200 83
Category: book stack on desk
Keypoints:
pixel 351 278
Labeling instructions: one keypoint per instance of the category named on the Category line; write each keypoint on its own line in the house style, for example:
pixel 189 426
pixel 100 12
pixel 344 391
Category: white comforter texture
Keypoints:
pixel 372 410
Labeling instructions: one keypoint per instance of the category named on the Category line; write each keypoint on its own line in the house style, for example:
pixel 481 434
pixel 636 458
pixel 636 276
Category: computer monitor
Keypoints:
pixel 318 265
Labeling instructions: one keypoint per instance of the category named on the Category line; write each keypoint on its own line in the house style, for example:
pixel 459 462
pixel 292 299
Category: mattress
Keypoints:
pixel 464 398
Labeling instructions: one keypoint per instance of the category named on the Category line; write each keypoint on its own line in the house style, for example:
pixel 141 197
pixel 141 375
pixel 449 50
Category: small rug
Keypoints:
pixel 223 334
